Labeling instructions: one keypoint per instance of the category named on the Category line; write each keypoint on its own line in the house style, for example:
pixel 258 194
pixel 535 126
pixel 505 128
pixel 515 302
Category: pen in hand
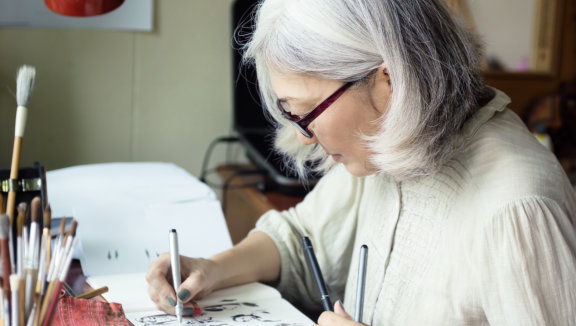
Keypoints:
pixel 313 264
pixel 175 262
pixel 361 282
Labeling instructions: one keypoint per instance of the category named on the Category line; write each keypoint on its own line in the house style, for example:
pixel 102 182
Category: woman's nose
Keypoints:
pixel 305 140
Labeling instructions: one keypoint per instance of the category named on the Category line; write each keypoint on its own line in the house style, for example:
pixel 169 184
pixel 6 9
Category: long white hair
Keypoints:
pixel 432 59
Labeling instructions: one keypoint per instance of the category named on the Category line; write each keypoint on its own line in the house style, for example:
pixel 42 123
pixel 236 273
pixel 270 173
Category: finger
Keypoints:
pixel 164 298
pixel 339 310
pixel 191 308
pixel 195 283
pixel 331 318
pixel 159 289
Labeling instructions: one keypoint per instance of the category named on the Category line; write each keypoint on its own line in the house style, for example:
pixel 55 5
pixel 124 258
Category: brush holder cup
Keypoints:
pixel 31 183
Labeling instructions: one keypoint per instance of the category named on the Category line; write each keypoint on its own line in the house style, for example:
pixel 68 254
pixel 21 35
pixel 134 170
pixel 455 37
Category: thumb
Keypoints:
pixel 339 310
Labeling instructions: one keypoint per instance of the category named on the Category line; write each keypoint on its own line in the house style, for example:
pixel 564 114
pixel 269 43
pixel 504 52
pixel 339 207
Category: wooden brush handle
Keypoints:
pixel 11 202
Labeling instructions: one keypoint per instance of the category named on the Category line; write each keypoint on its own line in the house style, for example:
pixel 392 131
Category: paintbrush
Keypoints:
pixel 5 299
pixel 60 242
pixel 20 250
pixel 19 268
pixel 24 86
pixel 61 278
pixel 6 268
pixel 45 251
pixel 47 228
pixel 2 211
pixel 58 275
pixel 31 260
pixel 15 308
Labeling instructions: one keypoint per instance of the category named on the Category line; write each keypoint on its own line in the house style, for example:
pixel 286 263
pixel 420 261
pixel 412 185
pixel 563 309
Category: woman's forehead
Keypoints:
pixel 296 87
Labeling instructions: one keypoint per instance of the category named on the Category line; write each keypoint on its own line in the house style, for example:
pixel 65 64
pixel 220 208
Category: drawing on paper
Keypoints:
pixel 228 306
pixel 166 319
pixel 255 308
pixel 226 313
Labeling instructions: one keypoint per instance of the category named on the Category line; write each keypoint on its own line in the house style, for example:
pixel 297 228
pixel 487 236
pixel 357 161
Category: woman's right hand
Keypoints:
pixel 199 278
pixel 254 259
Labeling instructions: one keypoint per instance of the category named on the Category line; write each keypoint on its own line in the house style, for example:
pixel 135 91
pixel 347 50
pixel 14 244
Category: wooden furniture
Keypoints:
pixel 245 199
pixel 553 58
pixel 559 34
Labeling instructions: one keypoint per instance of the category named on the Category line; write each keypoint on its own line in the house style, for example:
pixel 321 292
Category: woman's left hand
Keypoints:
pixel 338 317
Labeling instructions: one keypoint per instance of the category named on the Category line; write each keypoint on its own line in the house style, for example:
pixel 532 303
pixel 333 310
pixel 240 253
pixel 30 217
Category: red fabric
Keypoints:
pixel 81 312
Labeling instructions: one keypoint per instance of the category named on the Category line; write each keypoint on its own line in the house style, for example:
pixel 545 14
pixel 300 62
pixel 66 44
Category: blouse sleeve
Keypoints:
pixel 328 216
pixel 527 265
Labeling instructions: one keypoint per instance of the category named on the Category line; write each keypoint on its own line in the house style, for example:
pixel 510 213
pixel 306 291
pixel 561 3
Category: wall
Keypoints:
pixel 105 96
pixel 506 27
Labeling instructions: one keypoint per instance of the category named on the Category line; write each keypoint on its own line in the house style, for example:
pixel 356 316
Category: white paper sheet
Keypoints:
pixel 232 311
pixel 128 289
pixel 131 291
pixel 253 304
pixel 125 210
pixel 143 183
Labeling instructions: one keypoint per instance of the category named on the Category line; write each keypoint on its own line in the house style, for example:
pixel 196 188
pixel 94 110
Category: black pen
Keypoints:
pixel 313 264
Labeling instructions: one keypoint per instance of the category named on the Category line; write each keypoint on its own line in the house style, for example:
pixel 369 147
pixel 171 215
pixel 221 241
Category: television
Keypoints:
pixel 249 122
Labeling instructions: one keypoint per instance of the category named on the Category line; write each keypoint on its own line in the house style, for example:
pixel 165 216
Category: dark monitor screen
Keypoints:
pixel 249 121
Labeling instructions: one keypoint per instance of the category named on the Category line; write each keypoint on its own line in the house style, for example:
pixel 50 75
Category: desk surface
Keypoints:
pixel 243 202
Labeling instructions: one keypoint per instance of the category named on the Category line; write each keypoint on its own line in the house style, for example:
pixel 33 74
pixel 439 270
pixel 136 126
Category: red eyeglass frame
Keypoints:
pixel 302 123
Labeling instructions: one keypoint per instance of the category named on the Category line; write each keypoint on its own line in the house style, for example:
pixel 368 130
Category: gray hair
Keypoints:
pixel 432 59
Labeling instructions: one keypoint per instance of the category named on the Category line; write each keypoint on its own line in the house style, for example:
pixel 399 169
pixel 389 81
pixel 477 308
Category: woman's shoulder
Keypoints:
pixel 504 163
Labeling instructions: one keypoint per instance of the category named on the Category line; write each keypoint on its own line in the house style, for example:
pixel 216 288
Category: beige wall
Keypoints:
pixel 105 96
pixel 506 27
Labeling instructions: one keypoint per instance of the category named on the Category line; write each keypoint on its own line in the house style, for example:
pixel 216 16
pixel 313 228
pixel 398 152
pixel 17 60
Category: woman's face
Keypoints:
pixel 339 127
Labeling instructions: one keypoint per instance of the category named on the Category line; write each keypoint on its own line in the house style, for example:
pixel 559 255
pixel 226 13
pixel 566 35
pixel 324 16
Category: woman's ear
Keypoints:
pixel 383 73
pixel 386 75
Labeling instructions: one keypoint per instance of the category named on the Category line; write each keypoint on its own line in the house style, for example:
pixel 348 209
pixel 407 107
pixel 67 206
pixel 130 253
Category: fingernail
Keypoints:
pixel 183 294
pixel 191 311
pixel 171 301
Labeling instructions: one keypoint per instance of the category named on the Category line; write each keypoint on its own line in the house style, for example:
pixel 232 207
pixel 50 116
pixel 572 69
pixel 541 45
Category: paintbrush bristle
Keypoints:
pixel 21 218
pixel 24 84
pixel 22 208
pixel 73 226
pixel 47 216
pixel 4 226
pixel 35 209
pixel 62 226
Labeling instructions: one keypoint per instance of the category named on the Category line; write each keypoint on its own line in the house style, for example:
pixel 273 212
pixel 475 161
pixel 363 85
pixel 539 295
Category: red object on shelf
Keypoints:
pixel 82 8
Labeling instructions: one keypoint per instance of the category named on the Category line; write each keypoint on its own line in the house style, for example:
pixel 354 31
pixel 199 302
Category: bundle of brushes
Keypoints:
pixel 31 285
pixel 33 270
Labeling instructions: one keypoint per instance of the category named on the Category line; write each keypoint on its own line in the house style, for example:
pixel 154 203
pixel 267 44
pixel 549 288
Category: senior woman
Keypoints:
pixel 469 220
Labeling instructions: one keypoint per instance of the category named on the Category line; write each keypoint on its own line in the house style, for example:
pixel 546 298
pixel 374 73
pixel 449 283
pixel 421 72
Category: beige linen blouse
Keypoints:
pixel 489 240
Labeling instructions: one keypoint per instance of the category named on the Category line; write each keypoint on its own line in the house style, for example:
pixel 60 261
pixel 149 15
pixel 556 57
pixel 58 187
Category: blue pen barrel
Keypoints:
pixel 317 273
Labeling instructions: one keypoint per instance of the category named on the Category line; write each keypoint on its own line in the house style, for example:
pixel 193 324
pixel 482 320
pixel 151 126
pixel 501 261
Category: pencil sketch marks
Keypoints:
pixel 151 255
pixel 112 254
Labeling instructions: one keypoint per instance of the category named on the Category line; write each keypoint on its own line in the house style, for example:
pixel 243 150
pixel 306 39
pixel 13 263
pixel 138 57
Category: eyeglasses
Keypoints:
pixel 302 123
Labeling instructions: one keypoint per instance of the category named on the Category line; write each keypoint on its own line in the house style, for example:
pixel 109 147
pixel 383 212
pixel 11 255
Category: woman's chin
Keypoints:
pixel 358 170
